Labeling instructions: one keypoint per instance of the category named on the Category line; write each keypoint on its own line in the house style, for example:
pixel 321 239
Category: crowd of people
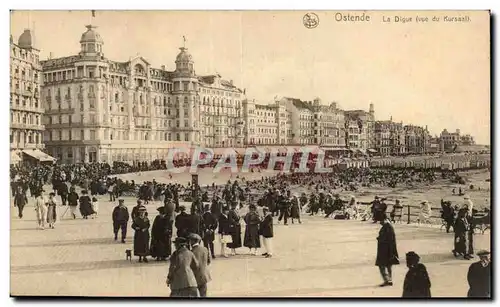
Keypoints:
pixel 214 215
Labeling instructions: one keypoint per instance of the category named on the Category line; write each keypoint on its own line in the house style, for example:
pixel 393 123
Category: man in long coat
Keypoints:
pixel 479 276
pixel 387 252
pixel 183 264
pixel 266 231
pixel 209 225
pixel 202 275
pixel 20 200
pixel 182 222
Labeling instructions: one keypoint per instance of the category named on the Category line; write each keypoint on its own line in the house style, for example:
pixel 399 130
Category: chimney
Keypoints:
pixel 163 67
pixel 50 56
pixel 231 82
pixel 458 131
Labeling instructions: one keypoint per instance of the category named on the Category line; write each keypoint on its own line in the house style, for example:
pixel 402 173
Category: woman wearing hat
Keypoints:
pixel 417 282
pixel 52 210
pixel 235 230
pixel 141 237
pixel 161 236
pixel 252 220
pixel 224 230
pixel 461 228
pixel 85 205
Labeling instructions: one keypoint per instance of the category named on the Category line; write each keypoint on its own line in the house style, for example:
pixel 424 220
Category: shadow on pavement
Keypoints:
pixel 425 259
pixel 83 266
pixel 94 241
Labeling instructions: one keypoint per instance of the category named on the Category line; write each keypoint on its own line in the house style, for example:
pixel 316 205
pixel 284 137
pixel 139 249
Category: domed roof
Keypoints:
pixel 184 56
pixel 91 36
pixel 26 39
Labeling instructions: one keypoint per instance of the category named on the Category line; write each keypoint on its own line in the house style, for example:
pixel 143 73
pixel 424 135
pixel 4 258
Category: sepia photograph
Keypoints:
pixel 249 154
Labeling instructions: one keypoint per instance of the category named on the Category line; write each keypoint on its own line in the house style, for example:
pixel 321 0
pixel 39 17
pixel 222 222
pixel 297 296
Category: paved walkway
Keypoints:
pixel 321 257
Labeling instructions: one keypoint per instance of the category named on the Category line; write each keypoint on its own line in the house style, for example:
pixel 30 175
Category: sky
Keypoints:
pixel 434 73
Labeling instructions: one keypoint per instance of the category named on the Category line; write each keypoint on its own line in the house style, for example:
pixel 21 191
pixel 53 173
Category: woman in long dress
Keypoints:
pixel 295 209
pixel 141 237
pixel 161 236
pixel 235 230
pixel 252 220
pixel 425 212
pixel 52 210
pixel 417 282
pixel 85 205
pixel 461 229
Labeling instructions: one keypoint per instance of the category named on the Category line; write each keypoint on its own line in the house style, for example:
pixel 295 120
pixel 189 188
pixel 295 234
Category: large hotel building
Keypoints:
pixel 99 110
pixel 103 110
pixel 26 109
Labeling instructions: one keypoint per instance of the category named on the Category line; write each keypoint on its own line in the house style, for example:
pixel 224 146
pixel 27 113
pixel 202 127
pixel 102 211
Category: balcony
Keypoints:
pixel 27 93
pixel 67 97
pixel 26 126
pixel 80 97
pixel 60 111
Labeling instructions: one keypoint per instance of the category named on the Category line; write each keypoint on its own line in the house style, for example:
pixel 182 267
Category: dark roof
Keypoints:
pixel 300 104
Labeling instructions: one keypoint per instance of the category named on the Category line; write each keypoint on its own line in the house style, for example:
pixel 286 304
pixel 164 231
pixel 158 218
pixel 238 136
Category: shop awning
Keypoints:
pixel 38 155
pixel 14 158
pixel 372 150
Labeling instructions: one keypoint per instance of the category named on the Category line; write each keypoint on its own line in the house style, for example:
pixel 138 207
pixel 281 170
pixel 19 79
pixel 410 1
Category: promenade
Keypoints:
pixel 321 257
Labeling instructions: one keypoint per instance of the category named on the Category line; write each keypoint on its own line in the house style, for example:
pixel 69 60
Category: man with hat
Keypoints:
pixel 181 278
pixel 120 219
pixel 182 222
pixel 266 231
pixel 202 274
pixel 387 252
pixel 208 226
pixel 479 276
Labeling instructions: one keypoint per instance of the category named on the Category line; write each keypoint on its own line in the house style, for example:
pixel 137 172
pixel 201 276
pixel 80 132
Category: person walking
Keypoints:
pixel 183 264
pixel 252 221
pixel 417 282
pixel 20 200
pixel 141 237
pixel 202 275
pixel 461 230
pixel 52 210
pixel 120 219
pixel 295 209
pixel 387 253
pixel 209 225
pixel 85 205
pixel 224 230
pixel 266 231
pixel 479 276
pixel 72 202
pixel 41 209
pixel 235 230
pixel 161 236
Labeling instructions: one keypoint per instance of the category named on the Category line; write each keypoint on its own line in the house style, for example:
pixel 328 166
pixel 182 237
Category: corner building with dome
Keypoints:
pixel 99 110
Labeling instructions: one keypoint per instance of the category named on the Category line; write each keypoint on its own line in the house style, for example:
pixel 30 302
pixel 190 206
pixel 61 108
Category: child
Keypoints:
pixel 95 206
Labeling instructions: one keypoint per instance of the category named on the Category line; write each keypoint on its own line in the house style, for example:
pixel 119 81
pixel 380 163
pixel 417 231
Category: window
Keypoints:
pixel 59 135
pixel 177 124
pixel 82 134
pixel 70 136
pixel 186 123
pixel 91 103
pixel 92 135
pixel 178 137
